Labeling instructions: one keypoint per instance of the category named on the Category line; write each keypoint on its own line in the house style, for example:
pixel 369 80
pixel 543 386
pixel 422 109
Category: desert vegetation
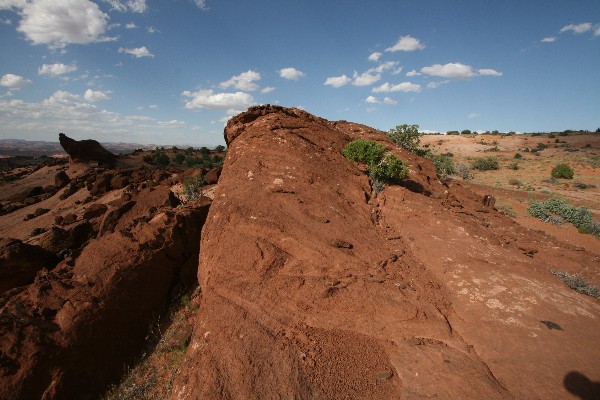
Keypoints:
pixel 382 165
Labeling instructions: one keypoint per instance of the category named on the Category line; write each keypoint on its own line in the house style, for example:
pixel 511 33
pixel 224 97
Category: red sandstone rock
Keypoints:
pixel 68 335
pixel 434 299
pixel 20 262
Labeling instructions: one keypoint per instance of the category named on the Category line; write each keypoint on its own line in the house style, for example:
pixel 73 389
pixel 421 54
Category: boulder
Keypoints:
pixel 20 262
pixel 212 176
pixel 61 179
pixel 85 151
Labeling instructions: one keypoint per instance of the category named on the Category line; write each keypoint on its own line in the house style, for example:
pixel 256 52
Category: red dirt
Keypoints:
pixel 316 287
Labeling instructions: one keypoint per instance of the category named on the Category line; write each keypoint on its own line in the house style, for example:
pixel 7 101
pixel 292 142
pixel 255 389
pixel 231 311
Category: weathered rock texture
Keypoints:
pixel 71 332
pixel 20 262
pixel 315 287
pixel 86 150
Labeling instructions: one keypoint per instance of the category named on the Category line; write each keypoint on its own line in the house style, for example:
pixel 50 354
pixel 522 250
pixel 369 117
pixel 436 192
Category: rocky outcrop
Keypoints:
pixel 20 262
pixel 317 287
pixel 69 334
pixel 86 151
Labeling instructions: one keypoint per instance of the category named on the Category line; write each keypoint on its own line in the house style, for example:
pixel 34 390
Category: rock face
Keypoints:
pixel 86 150
pixel 69 334
pixel 316 287
pixel 20 262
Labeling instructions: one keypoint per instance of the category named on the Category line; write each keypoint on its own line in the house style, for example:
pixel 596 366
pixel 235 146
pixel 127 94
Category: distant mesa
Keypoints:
pixel 85 151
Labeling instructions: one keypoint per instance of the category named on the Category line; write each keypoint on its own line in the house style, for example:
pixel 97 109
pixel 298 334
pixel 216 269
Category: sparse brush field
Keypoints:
pixel 525 170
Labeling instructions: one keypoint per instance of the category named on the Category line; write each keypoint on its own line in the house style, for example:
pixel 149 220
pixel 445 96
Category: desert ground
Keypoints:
pixel 531 181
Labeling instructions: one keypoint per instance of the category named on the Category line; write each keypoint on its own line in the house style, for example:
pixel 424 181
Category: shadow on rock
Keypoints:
pixel 580 385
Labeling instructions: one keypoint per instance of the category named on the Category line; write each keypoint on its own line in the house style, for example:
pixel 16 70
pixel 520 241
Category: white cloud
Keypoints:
pixel 267 89
pixel 451 70
pixel 201 4
pixel 174 123
pixel 406 43
pixel 489 72
pixel 95 95
pixel 138 6
pixel 337 81
pixel 56 69
pixel 372 100
pixel 473 115
pixel 577 28
pixel 137 52
pixel 365 79
pixel 6 21
pixel 152 29
pixel 597 31
pixel 401 87
pixel 243 81
pixel 153 106
pixel 14 82
pixel 57 23
pixel 8 4
pixel 68 112
pixel 210 99
pixel 413 73
pixel 387 66
pixel 434 85
pixel 550 39
pixel 390 101
pixel 131 25
pixel 291 73
pixel 375 56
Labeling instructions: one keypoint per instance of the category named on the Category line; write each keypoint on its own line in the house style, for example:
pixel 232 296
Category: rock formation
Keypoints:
pixel 316 287
pixel 86 151
pixel 69 334
pixel 20 262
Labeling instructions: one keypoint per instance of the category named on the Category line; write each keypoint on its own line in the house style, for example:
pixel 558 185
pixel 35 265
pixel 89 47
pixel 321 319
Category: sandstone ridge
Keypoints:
pixel 316 287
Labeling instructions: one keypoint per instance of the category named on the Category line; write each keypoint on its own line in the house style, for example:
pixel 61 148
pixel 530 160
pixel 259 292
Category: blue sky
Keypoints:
pixel 173 71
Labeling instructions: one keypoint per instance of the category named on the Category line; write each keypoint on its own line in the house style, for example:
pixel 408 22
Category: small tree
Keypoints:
pixel 220 148
pixel 161 158
pixel 562 171
pixel 406 136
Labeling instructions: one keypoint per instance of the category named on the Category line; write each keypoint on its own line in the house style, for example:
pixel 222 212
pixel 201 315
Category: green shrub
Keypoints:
pixel 518 155
pixel 515 182
pixel 444 166
pixel 179 158
pixel 159 157
pixel 389 168
pixel 578 283
pixel 406 136
pixel 562 171
pixel 365 151
pixel 548 209
pixel 381 165
pixel 486 163
pixel 514 166
pixel 464 171
pixel 192 186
